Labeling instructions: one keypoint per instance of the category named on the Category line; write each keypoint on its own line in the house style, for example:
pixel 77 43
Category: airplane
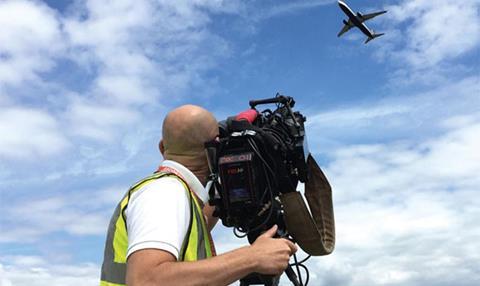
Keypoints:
pixel 358 21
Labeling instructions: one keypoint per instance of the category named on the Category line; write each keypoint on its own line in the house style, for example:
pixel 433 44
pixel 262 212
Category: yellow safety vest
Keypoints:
pixel 196 244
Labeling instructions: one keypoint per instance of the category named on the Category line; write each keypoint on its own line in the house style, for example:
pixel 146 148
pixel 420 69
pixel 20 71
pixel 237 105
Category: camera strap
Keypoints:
pixel 315 231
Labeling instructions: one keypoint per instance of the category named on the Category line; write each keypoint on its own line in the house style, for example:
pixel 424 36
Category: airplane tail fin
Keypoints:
pixel 374 36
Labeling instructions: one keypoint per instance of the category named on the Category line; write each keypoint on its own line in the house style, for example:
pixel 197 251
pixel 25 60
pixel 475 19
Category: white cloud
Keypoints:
pixel 288 8
pixel 132 57
pixel 29 133
pixel 146 49
pixel 358 115
pixel 35 271
pixel 439 31
pixel 38 217
pixel 447 162
pixel 144 53
pixel 417 115
pixel 98 121
pixel 30 38
pixel 406 213
pixel 434 34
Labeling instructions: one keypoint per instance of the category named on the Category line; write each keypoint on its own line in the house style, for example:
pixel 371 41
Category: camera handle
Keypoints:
pixel 268 280
pixel 289 271
pixel 292 276
pixel 287 100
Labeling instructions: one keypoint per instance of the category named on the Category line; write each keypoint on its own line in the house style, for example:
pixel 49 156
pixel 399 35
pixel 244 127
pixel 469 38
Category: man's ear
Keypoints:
pixel 161 147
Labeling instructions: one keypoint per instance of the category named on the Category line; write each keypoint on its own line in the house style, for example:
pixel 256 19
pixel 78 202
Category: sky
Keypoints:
pixel 394 124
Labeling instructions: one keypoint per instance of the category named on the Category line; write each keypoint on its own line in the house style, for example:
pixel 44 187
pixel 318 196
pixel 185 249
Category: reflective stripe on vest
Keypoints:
pixel 195 246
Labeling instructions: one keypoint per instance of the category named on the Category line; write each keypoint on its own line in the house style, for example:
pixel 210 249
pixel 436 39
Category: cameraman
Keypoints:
pixel 159 233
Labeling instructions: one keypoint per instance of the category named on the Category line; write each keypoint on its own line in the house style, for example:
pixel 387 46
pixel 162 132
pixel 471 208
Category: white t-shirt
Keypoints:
pixel 158 214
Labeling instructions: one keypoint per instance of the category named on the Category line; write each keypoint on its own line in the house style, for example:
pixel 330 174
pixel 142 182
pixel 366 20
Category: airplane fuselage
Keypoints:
pixel 355 20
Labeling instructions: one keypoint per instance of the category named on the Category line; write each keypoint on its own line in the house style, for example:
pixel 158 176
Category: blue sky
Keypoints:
pixel 395 124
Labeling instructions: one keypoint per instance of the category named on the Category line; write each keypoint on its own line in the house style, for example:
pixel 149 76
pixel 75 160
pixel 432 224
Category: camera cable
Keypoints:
pixel 298 265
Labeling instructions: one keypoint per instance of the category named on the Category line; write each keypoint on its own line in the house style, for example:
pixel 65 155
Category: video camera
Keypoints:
pixel 256 164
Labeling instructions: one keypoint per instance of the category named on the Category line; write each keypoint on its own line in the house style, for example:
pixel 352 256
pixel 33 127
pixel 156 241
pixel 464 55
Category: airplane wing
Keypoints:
pixel 372 15
pixel 346 28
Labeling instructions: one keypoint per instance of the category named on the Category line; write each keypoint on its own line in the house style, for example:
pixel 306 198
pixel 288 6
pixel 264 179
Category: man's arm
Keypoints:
pixel 157 267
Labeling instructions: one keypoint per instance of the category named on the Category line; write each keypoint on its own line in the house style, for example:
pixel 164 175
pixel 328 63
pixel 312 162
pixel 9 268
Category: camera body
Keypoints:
pixel 258 156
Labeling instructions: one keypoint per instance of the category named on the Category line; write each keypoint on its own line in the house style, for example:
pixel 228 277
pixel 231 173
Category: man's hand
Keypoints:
pixel 272 254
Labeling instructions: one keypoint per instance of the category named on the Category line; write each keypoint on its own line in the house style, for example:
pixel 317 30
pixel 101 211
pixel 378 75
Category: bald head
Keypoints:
pixel 185 130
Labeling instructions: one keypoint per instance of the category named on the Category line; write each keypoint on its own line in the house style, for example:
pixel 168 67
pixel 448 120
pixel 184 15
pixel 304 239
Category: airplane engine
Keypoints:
pixel 345 22
pixel 359 15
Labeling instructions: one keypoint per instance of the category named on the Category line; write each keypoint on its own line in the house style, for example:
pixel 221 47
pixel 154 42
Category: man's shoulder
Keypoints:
pixel 155 178
pixel 163 186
